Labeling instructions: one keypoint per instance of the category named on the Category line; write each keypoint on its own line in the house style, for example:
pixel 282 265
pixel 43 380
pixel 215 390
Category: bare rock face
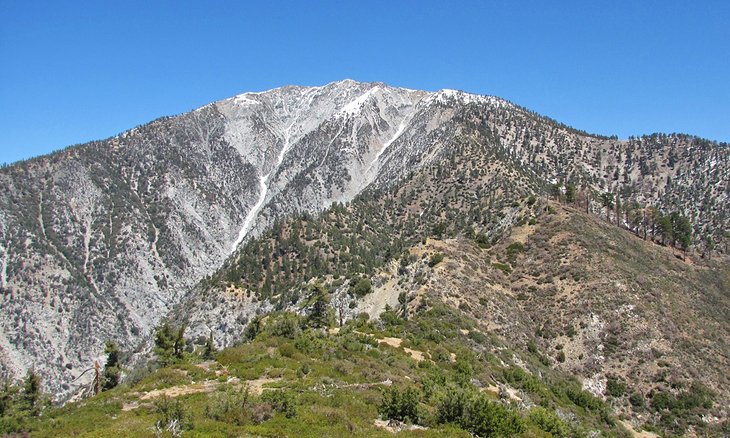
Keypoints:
pixel 99 241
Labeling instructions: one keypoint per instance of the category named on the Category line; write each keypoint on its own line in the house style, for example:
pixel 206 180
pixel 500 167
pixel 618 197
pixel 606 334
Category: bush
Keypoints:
pixel 287 350
pixel 286 326
pixel 451 407
pixel 519 378
pixel 281 401
pixel 503 267
pixel 637 400
pixel 615 387
pixel 435 259
pixel 230 406
pixel 362 287
pixel 401 405
pixel 486 418
pixel 549 422
pixel 171 416
pixel 474 412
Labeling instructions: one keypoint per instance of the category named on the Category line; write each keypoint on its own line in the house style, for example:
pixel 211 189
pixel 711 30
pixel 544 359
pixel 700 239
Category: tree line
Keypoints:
pixel 646 221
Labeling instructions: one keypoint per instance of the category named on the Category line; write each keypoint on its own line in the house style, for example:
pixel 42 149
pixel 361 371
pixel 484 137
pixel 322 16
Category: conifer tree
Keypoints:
pixel 32 393
pixel 209 349
pixel 112 371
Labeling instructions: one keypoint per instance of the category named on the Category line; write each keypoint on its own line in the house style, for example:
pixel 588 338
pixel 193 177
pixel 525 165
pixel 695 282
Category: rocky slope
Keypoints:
pixel 100 241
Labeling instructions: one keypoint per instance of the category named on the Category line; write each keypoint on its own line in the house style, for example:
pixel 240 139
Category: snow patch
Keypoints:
pixel 445 95
pixel 264 190
pixel 353 107
pixel 243 99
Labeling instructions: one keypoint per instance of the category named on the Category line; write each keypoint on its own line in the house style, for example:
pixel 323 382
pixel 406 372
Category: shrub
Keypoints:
pixel 261 412
pixel 615 387
pixel 487 418
pixel 435 259
pixel 286 326
pixel 281 401
pixel 171 416
pixel 230 406
pixel 451 407
pixel 287 350
pixel 519 378
pixel 549 422
pixel 637 400
pixel 503 267
pixel 515 248
pixel 401 405
pixel 475 413
pixel 362 287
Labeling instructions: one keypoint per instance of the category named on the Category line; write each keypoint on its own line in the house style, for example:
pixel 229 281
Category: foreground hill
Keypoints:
pixel 502 340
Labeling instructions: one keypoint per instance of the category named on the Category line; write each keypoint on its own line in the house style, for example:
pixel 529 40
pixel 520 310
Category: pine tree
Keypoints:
pixel 570 194
pixel 319 314
pixel 112 372
pixel 209 349
pixel 607 203
pixel 32 393
pixel 169 344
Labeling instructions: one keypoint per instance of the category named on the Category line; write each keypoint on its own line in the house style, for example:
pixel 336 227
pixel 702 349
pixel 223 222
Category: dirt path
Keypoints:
pixel 256 387
pixel 637 433
pixel 177 391
pixel 396 343
pixel 511 391
pixel 393 426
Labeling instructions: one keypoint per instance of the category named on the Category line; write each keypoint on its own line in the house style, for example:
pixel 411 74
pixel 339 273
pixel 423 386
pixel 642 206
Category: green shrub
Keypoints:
pixel 435 259
pixel 287 350
pixel 637 400
pixel 515 248
pixel 401 405
pixel 230 406
pixel 475 413
pixel 615 387
pixel 503 267
pixel 487 418
pixel 549 422
pixel 171 415
pixel 452 406
pixel 281 401
pixel 362 287
pixel 519 378
pixel 285 326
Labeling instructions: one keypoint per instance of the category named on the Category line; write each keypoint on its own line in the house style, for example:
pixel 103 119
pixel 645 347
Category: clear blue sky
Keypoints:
pixel 75 71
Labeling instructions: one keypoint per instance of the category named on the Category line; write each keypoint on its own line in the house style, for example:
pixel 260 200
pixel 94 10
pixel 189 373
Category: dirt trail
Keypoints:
pixel 637 433
pixel 256 387
pixel 396 343
pixel 177 391
pixel 510 391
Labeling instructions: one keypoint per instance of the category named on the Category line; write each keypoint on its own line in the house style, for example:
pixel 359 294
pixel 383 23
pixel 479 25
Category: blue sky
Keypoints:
pixel 71 72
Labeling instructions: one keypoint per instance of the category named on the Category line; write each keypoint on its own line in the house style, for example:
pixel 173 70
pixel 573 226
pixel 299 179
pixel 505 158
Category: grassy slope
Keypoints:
pixel 341 392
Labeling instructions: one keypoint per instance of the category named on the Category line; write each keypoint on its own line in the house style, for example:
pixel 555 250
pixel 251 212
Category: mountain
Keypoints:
pixel 102 240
